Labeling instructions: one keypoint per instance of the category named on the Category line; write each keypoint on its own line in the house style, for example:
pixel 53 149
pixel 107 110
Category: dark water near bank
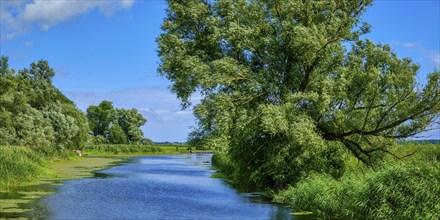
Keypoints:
pixel 156 187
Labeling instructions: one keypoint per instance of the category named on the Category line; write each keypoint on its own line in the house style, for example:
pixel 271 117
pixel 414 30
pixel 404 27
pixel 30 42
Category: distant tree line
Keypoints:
pixel 116 125
pixel 34 113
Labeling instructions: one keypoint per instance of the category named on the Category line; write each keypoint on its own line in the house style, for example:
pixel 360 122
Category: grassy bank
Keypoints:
pixel 397 189
pixel 27 174
pixel 19 165
pixel 121 149
pixel 22 165
pixel 19 198
pixel 124 149
pixel 83 167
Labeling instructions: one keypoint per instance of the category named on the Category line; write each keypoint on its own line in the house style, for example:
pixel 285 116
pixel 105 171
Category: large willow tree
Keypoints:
pixel 287 85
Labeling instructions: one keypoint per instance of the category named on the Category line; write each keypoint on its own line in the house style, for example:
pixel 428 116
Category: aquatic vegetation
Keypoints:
pixel 122 149
pixel 18 165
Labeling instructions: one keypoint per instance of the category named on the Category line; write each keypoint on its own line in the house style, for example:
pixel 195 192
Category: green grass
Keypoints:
pixel 398 189
pixel 19 165
pixel 172 148
pixel 83 167
pixel 123 149
pixel 218 175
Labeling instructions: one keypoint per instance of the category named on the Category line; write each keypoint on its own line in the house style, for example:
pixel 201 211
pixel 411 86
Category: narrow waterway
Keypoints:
pixel 156 187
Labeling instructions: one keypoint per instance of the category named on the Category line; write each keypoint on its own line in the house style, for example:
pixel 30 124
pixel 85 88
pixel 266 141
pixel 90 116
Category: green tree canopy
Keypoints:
pixel 286 83
pixel 100 118
pixel 36 114
pixel 117 135
pixel 104 117
pixel 130 121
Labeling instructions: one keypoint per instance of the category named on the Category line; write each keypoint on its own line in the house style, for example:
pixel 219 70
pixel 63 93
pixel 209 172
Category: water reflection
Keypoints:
pixel 148 187
pixel 160 187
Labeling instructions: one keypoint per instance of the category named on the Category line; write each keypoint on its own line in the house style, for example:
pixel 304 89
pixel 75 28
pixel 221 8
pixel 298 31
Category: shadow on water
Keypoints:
pixel 99 174
pixel 11 195
pixel 281 212
pixel 26 201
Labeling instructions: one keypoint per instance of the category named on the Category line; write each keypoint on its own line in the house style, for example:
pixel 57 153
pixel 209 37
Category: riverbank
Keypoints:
pixel 400 186
pixel 125 149
pixel 21 165
pixel 17 200
pixel 28 174
pixel 84 167
pixel 146 187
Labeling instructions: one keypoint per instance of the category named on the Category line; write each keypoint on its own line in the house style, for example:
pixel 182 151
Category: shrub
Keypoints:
pixel 403 192
pixel 117 135
pixel 19 164
pixel 146 141
pixel 223 164
pixel 399 191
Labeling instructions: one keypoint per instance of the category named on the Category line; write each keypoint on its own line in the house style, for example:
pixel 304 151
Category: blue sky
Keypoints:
pixel 106 50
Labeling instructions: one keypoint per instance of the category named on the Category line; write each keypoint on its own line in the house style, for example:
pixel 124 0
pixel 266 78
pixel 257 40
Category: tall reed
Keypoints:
pixel 122 148
pixel 399 189
pixel 19 165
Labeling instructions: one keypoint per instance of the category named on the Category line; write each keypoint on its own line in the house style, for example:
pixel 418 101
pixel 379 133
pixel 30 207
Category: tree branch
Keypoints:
pixel 393 106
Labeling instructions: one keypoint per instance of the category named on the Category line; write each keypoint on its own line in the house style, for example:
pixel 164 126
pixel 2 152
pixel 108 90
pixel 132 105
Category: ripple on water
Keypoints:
pixel 159 187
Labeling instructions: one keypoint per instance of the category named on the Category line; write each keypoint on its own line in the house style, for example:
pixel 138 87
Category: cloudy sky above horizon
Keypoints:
pixel 106 50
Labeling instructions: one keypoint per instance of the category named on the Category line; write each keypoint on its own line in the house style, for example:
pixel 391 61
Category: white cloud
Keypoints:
pixel 408 44
pixel 10 26
pixel 127 3
pixel 167 116
pixel 18 17
pixel 432 56
pixel 29 43
pixel 145 110
pixel 162 112
pixel 48 13
pixel 435 59
pixel 183 112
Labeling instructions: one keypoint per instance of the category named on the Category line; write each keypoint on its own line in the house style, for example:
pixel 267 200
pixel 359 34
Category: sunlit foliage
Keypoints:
pixel 34 113
pixel 115 125
pixel 288 86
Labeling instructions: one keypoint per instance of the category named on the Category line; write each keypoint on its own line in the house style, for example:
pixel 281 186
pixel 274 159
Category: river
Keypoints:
pixel 156 187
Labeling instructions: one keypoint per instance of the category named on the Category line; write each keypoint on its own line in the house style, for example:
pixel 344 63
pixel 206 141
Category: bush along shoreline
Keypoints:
pixel 22 165
pixel 401 191
pixel 405 188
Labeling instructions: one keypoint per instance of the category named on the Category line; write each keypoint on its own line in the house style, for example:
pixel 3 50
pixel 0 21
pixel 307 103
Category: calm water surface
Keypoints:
pixel 157 187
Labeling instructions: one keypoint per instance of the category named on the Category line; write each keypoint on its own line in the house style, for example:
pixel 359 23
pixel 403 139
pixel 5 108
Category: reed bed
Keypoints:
pixel 122 149
pixel 399 189
pixel 19 165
